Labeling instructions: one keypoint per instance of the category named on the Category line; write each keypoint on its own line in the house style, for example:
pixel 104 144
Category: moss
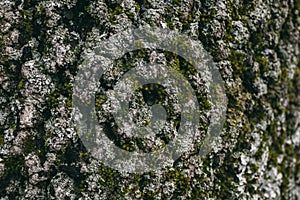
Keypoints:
pixel 277 141
pixel 100 99
pixel 110 178
pixel 114 12
pixel 137 7
pixel 186 21
pixel 21 100
pixel 177 2
pixel 263 64
pixel 284 75
pixel 65 89
pixel 84 156
pixel 130 15
pixel 225 176
pixel 179 64
pixel 21 84
pixel 237 60
pixel 253 167
pixel 14 168
pixel 52 99
pixel 42 8
pixel 293 86
pixel 228 37
pixel 26 21
pixel 204 19
pixel 174 64
pixel 181 181
pixel 49 134
pixel 171 25
pixel 169 18
pixel 141 52
pixel 257 40
pixel 235 13
pixel 68 103
pixel 12 127
pixel 297 5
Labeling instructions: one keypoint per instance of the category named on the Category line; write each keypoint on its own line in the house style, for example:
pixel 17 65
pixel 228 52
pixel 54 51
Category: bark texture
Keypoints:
pixel 255 45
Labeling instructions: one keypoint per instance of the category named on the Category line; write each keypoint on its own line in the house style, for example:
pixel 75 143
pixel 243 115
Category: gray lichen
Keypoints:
pixel 255 45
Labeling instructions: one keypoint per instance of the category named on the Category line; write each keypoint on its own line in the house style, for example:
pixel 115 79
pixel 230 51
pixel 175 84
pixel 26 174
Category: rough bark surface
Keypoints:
pixel 255 45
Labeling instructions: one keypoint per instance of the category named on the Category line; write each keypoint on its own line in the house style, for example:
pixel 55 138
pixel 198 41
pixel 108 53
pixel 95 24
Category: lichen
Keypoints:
pixel 254 44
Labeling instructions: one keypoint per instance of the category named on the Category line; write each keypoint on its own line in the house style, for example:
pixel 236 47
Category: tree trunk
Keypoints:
pixel 253 44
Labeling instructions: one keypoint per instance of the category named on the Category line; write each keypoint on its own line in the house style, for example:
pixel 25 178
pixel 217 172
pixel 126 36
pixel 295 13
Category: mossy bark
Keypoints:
pixel 254 44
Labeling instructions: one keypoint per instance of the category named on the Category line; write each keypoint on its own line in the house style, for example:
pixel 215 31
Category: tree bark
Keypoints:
pixel 255 46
